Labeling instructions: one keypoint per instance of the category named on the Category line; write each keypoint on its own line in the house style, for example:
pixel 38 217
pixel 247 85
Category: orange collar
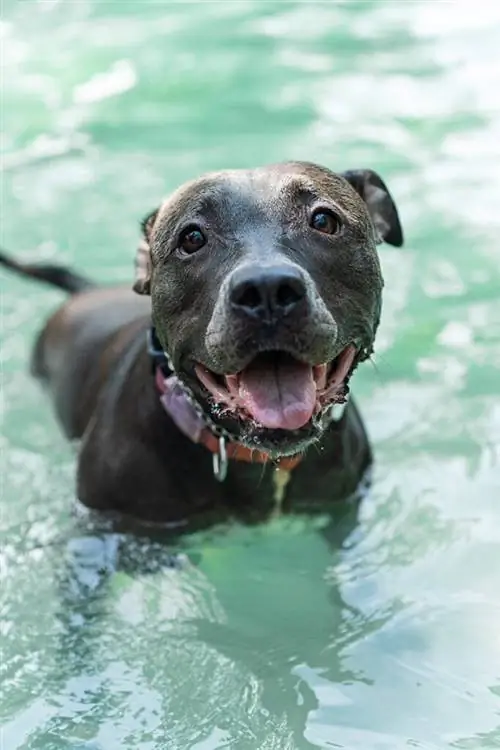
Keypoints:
pixel 192 423
pixel 239 452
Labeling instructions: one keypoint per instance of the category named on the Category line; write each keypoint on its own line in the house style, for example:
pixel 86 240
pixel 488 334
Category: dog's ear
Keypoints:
pixel 142 284
pixel 380 203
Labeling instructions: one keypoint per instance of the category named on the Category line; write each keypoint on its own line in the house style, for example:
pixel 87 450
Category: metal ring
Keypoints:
pixel 219 461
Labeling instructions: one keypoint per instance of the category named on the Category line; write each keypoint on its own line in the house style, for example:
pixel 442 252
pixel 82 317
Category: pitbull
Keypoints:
pixel 221 386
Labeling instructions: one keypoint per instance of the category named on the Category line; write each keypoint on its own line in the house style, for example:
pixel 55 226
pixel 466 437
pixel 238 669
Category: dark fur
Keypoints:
pixel 92 355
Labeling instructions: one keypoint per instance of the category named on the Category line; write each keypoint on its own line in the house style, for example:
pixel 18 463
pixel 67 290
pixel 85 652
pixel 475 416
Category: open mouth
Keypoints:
pixel 278 391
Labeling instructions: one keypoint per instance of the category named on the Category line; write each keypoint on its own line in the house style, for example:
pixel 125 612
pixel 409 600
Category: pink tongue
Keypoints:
pixel 279 395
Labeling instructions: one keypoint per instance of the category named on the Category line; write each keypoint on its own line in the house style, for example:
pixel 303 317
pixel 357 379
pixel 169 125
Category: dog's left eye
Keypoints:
pixel 325 221
pixel 191 240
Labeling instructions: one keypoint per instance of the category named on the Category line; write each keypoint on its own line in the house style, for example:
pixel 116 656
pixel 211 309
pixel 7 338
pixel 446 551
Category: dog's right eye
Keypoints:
pixel 191 240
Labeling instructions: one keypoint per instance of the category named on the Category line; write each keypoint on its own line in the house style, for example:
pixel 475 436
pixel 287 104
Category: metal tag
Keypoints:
pixel 219 460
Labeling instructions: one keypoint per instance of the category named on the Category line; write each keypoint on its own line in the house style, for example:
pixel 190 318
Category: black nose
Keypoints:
pixel 267 293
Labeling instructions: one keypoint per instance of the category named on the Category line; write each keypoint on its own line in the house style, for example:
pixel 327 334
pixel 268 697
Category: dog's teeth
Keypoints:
pixel 320 375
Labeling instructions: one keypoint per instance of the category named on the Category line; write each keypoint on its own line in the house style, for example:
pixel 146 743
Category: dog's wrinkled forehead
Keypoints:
pixel 241 197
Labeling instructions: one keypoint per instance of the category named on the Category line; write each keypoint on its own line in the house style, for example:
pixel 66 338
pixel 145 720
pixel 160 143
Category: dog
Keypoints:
pixel 221 385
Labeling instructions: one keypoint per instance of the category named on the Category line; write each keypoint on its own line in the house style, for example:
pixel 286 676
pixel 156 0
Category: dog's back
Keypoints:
pixel 76 344
pixel 74 351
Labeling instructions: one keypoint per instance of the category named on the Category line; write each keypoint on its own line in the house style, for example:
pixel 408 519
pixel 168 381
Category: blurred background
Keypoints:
pixel 379 634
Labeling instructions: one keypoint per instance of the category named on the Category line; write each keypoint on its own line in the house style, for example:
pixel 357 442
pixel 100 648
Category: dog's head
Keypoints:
pixel 266 292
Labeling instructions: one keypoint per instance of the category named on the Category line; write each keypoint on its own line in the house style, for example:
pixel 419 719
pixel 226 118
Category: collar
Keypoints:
pixel 188 415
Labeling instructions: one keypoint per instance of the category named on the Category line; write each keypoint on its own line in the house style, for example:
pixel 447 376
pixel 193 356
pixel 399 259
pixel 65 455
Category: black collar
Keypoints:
pixel 156 354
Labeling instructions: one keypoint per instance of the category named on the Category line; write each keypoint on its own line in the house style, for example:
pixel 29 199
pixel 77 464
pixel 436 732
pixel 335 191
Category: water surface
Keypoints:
pixel 375 633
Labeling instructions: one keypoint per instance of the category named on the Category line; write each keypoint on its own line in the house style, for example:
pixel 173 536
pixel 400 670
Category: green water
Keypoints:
pixel 378 635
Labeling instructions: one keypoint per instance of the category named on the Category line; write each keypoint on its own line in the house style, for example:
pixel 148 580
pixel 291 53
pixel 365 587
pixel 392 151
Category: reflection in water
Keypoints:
pixel 117 593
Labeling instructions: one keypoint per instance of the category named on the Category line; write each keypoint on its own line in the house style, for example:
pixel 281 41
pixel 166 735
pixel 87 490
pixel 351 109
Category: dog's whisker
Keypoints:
pixel 380 373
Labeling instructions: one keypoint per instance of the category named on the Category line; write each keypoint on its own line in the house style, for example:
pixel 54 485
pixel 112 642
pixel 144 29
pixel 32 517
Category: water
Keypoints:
pixel 375 634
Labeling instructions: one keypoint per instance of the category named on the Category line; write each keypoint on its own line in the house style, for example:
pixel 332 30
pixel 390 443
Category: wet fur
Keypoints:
pixel 91 354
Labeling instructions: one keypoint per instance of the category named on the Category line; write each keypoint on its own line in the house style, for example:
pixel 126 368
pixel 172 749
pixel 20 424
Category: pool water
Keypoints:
pixel 375 630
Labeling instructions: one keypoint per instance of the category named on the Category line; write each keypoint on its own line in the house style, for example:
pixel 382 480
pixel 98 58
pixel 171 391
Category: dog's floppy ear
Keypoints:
pixel 142 284
pixel 380 203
